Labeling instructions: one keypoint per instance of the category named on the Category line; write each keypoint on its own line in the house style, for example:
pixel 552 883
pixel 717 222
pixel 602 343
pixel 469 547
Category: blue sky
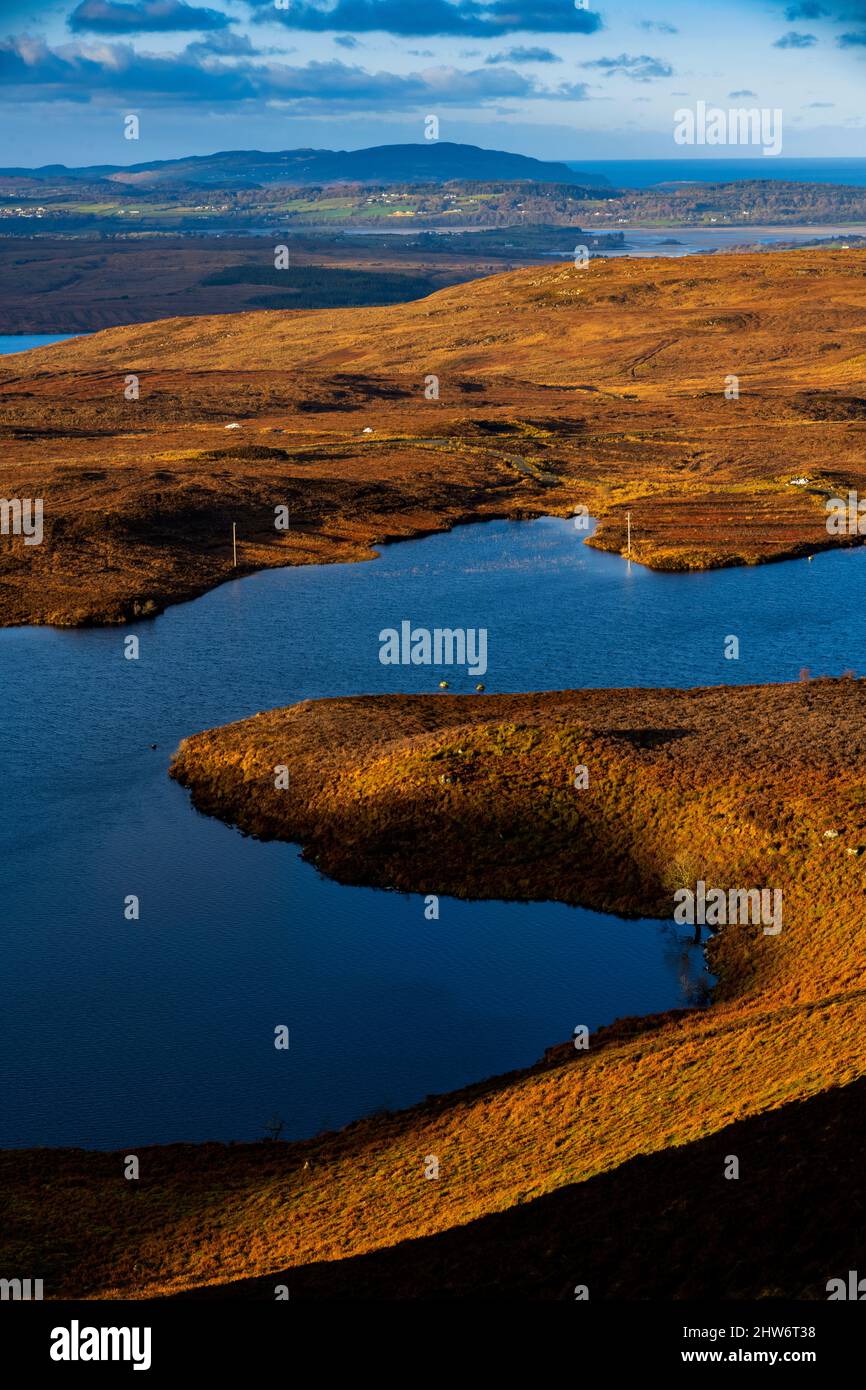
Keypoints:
pixel 543 77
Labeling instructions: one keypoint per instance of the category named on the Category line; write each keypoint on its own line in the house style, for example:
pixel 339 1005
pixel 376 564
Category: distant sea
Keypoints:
pixel 643 173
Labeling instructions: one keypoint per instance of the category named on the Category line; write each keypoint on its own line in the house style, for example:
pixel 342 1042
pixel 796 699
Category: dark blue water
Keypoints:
pixel 121 1033
pixel 644 173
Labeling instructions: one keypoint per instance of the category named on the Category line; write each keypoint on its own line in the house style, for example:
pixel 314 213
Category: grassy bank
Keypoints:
pixel 524 393
pixel 746 786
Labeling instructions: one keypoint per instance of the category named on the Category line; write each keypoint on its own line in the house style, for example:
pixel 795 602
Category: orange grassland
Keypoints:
pixel 557 386
pixel 603 1166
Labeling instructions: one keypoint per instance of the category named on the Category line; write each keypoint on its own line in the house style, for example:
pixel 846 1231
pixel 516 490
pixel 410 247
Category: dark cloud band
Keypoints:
pixel 143 17
pixel 466 18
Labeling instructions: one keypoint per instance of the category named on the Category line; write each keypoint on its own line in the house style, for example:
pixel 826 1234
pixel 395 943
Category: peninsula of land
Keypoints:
pixel 718 399
pixel 553 1176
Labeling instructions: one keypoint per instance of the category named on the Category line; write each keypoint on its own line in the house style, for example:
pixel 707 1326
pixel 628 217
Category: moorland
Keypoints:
pixel 606 387
pixel 604 1166
pixel 62 284
pixel 718 399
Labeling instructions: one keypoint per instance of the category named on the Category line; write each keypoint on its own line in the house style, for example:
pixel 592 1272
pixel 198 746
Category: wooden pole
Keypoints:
pixel 235 543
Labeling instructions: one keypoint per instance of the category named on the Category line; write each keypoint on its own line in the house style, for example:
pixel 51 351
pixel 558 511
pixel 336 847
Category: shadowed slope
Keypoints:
pixel 667 1226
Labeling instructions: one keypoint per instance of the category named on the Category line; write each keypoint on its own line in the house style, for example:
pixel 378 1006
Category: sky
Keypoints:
pixel 557 79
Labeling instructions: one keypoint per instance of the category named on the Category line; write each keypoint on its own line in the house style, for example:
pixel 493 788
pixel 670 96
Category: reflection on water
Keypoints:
pixel 117 1032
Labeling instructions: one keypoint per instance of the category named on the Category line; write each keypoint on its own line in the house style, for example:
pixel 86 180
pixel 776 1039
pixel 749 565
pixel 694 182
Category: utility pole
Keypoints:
pixel 235 543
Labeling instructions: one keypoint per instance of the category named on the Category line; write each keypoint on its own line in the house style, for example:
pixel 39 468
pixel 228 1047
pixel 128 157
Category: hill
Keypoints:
pixel 432 161
pixel 524 393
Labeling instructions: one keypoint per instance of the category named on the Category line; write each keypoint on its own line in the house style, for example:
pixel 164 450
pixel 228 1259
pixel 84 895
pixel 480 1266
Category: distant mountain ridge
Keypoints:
pixel 429 162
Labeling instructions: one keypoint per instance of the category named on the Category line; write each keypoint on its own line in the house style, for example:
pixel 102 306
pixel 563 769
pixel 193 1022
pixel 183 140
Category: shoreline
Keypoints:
pixel 738 785
pixel 628 413
pixel 608 537
pixel 530 1135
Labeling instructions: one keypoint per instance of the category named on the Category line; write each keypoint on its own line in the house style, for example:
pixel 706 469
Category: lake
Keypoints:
pixel 23 342
pixel 674 242
pixel 119 1033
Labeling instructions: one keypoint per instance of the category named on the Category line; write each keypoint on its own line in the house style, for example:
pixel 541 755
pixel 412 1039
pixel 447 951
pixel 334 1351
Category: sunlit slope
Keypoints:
pixel 744 786
pixel 718 398
pixel 785 318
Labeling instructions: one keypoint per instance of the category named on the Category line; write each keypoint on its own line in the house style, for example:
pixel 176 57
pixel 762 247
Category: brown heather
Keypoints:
pixel 559 386
pixel 602 1166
